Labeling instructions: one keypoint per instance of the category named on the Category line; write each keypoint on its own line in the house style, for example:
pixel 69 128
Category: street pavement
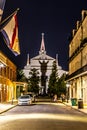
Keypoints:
pixel 6 106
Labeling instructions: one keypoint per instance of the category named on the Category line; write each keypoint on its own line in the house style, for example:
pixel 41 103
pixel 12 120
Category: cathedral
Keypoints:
pixel 43 63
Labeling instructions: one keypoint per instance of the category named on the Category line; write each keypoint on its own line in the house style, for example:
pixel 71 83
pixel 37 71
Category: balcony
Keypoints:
pixel 79 72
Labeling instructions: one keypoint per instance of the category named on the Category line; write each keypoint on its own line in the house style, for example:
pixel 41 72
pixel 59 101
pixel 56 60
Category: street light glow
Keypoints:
pixel 43 116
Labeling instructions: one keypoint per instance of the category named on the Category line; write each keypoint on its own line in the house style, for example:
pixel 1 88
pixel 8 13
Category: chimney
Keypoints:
pixel 84 13
pixel 77 25
pixel 73 32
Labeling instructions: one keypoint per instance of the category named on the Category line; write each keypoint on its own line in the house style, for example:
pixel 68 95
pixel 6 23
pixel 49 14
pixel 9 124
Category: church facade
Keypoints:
pixel 43 63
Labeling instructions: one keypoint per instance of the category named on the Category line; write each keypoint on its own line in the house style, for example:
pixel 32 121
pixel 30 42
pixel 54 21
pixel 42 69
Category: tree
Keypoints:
pixel 56 85
pixel 52 88
pixel 34 80
pixel 20 76
pixel 61 85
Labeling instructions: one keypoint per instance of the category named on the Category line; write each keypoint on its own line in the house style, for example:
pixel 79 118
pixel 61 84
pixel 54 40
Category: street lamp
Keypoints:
pixel 2 65
pixel 1 91
pixel 67 93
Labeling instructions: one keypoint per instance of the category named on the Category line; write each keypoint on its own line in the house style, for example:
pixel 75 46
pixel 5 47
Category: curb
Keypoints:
pixel 74 108
pixel 8 109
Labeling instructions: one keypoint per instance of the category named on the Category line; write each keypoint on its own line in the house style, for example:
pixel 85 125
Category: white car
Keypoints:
pixel 24 100
pixel 32 96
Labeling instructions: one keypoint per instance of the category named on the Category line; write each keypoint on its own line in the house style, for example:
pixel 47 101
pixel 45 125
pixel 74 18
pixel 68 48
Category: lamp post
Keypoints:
pixel 1 66
pixel 67 89
pixel 1 91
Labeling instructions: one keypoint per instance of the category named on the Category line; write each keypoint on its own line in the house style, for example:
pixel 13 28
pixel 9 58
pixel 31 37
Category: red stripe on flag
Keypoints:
pixel 14 32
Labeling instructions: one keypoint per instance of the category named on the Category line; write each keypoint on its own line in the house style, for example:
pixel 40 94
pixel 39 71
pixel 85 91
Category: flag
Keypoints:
pixel 7 20
pixel 2 4
pixel 10 33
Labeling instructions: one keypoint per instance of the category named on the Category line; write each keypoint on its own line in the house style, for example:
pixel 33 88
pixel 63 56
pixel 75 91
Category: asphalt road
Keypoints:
pixel 43 116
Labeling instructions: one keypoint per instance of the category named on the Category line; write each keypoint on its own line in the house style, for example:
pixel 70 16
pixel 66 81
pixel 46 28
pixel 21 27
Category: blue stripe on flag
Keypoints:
pixel 6 37
pixel 7 41
pixel 2 3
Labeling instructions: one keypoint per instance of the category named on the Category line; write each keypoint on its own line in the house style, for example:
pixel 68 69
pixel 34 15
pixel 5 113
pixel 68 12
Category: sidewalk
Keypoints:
pixel 6 106
pixel 84 109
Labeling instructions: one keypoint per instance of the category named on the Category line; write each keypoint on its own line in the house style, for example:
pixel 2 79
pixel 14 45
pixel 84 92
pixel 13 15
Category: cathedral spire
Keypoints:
pixel 27 59
pixel 57 60
pixel 42 47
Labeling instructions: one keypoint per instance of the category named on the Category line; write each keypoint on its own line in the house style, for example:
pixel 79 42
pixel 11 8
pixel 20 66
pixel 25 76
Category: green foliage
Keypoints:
pixel 61 85
pixel 20 76
pixel 34 80
pixel 53 79
pixel 56 85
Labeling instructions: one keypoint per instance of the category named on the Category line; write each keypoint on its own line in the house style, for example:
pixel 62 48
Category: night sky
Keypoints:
pixel 54 18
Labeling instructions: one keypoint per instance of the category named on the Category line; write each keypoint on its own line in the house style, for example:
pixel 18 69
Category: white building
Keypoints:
pixel 43 63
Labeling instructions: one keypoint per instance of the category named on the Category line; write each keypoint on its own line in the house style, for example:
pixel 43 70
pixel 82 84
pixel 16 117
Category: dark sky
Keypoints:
pixel 55 18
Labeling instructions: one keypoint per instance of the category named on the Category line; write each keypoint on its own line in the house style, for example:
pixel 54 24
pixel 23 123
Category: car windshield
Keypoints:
pixel 25 96
pixel 31 95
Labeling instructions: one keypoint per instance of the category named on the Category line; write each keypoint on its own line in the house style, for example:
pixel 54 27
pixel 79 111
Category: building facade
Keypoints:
pixel 43 63
pixel 7 76
pixel 78 60
pixel 10 89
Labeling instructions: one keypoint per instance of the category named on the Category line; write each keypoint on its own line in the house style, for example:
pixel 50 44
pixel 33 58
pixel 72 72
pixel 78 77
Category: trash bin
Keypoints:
pixel 80 103
pixel 74 101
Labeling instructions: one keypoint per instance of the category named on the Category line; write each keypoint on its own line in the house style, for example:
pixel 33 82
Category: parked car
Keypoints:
pixel 32 95
pixel 25 100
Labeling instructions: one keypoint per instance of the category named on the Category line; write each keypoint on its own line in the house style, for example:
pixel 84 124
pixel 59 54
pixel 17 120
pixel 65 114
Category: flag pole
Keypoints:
pixel 6 19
